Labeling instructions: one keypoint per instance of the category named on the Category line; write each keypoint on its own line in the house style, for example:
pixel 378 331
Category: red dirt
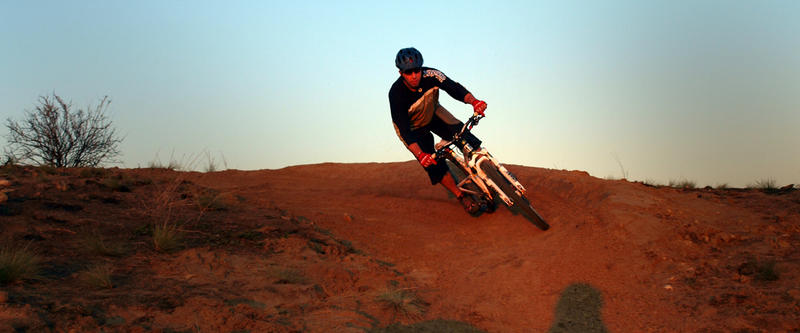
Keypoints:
pixel 308 248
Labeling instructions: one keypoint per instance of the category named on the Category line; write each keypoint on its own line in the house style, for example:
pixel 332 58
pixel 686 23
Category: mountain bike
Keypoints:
pixel 480 174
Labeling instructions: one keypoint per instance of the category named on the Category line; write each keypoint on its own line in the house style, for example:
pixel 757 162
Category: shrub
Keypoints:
pixel 55 134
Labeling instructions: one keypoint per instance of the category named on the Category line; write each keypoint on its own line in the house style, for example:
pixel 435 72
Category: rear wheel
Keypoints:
pixel 521 204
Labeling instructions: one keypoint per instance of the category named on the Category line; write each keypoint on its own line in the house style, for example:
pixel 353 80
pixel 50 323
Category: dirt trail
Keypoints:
pixel 308 248
pixel 661 259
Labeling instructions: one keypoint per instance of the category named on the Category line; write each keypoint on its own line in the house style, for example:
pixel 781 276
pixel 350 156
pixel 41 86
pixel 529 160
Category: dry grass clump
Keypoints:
pixel 17 263
pixel 766 184
pixel 173 164
pixel 98 277
pixel 682 183
pixel 211 165
pixel 166 237
pixel 165 208
pixel 402 301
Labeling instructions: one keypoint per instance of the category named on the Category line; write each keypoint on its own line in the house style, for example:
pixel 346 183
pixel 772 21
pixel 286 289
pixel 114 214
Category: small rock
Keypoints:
pixel 348 217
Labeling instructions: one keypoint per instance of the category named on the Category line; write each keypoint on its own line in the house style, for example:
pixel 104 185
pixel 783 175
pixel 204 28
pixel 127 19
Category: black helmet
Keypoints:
pixel 408 58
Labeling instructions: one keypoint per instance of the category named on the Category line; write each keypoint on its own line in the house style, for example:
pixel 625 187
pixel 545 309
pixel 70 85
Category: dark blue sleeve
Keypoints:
pixel 400 119
pixel 453 88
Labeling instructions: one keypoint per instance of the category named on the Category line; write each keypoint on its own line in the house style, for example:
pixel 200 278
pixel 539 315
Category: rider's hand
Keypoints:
pixel 479 106
pixel 425 159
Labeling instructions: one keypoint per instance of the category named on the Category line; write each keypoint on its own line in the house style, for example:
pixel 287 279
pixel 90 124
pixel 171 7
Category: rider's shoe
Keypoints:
pixel 471 206
pixel 486 206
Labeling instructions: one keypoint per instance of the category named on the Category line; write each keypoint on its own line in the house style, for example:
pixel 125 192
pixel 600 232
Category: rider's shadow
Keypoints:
pixel 578 310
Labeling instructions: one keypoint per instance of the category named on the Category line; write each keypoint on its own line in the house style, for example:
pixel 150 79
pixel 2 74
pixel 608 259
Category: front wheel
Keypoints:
pixel 521 203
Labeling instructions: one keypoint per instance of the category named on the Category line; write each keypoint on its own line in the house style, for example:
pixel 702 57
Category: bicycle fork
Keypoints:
pixel 470 176
pixel 483 156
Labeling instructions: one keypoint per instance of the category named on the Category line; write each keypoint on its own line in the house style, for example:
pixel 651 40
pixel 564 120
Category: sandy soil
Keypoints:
pixel 323 248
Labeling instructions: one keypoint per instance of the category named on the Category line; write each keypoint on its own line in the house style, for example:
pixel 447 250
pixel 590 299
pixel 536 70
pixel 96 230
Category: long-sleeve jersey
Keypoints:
pixel 401 98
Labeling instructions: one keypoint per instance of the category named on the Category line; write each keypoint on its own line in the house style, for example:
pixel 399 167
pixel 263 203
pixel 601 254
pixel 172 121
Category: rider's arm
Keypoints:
pixel 453 88
pixel 401 122
pixel 415 149
pixel 469 99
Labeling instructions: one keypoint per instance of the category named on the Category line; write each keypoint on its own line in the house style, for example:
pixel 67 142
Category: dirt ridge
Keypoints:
pixel 315 247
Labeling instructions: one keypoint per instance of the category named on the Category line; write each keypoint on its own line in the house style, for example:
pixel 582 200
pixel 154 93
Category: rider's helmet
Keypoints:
pixel 408 58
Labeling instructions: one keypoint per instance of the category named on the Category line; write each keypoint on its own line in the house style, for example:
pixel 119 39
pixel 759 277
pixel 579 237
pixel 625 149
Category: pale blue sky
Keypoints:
pixel 703 90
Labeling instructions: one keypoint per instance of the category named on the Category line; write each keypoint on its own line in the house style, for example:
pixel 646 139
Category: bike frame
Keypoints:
pixel 469 160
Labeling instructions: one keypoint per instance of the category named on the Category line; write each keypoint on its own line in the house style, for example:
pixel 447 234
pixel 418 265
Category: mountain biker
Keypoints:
pixel 416 112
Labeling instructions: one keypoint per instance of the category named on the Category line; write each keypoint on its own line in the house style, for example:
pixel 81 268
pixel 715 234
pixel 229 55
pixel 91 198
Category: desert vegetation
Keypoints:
pixel 764 184
pixel 682 183
pixel 57 135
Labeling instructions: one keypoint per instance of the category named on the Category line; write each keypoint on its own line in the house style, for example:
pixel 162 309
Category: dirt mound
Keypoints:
pixel 359 247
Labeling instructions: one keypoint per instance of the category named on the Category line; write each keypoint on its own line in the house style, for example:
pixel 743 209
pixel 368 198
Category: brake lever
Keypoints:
pixel 475 120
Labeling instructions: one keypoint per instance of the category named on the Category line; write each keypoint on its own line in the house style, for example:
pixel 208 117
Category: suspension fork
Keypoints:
pixel 470 176
pixel 475 161
pixel 511 179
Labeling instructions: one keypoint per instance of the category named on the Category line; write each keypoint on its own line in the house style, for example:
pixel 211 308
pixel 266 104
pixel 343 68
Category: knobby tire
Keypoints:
pixel 521 203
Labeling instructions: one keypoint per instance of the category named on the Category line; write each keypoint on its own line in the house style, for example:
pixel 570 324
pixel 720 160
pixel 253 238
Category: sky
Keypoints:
pixel 657 91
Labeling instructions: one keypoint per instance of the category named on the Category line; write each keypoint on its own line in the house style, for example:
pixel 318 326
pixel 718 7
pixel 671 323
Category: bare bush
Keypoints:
pixel 55 134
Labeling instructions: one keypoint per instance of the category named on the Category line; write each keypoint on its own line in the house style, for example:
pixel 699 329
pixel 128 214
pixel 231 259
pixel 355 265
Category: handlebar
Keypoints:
pixel 471 122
